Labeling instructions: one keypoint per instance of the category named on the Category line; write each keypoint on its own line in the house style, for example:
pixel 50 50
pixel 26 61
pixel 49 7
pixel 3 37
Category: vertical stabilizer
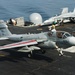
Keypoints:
pixel 64 10
pixel 74 10
pixel 4 30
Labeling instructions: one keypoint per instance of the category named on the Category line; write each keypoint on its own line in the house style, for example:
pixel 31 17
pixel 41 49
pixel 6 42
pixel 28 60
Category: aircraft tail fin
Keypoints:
pixel 74 10
pixel 64 10
pixel 4 31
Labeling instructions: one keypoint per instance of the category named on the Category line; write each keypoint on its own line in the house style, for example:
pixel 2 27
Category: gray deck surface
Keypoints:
pixel 16 63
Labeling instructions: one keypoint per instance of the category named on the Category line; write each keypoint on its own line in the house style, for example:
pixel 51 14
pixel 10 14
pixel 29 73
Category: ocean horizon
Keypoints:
pixel 24 8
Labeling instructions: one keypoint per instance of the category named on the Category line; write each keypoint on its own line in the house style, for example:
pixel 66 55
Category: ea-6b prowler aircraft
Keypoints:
pixel 30 42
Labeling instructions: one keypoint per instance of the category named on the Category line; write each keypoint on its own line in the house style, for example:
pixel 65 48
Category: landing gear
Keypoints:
pixel 60 51
pixel 30 54
pixel 43 51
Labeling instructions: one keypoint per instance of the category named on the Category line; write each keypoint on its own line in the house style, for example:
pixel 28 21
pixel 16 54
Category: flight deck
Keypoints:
pixel 50 63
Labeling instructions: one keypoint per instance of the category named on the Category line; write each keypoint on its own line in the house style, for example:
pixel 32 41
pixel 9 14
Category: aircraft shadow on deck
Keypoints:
pixel 14 56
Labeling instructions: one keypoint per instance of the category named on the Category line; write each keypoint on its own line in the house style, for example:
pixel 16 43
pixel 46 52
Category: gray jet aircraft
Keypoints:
pixel 30 42
pixel 65 16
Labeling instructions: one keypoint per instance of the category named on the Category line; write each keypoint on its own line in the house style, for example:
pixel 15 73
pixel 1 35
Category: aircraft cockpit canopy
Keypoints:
pixel 63 34
pixel 66 34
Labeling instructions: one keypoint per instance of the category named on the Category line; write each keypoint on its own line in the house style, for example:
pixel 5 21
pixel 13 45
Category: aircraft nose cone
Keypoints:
pixel 71 40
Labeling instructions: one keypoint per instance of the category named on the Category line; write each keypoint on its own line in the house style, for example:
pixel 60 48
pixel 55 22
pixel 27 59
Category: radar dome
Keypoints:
pixel 36 18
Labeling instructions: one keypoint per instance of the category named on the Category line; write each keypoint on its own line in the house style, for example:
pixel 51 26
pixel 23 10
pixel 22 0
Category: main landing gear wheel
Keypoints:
pixel 29 54
pixel 43 51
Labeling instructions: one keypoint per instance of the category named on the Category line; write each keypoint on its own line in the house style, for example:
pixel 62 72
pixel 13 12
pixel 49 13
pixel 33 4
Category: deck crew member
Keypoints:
pixel 53 30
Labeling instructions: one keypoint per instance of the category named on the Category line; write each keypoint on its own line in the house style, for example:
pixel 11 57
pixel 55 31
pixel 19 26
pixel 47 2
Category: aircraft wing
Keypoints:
pixel 18 44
